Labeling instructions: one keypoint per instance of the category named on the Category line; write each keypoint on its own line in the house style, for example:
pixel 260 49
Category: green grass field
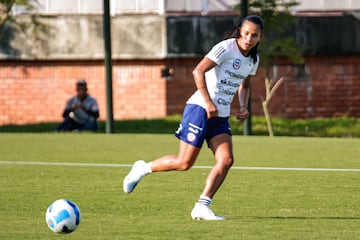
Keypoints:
pixel 259 204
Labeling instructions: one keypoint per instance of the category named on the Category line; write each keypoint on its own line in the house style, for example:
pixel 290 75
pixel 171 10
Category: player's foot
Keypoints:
pixel 203 212
pixel 135 175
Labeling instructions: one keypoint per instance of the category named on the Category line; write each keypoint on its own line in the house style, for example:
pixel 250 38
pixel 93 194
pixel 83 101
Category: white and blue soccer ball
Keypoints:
pixel 63 216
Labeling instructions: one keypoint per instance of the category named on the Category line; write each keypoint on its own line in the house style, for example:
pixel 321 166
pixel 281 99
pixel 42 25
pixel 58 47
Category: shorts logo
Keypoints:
pixel 196 131
pixel 191 137
pixel 237 63
pixel 179 129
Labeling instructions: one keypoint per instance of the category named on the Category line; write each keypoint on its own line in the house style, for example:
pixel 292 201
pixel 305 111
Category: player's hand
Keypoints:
pixel 243 114
pixel 211 110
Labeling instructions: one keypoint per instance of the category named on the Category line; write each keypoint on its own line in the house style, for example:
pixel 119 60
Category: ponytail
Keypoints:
pixel 234 33
pixel 254 52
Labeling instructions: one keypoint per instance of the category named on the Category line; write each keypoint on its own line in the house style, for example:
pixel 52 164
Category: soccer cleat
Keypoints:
pixel 203 212
pixel 135 175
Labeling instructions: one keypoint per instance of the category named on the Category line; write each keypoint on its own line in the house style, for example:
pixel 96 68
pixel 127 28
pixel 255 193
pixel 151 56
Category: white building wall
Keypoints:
pixel 328 5
pixel 164 6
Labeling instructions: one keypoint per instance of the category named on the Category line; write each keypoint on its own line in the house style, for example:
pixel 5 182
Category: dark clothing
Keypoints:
pixel 80 118
pixel 70 125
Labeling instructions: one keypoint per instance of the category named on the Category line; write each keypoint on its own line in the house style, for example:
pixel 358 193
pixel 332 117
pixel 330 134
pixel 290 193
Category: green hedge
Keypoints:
pixel 316 127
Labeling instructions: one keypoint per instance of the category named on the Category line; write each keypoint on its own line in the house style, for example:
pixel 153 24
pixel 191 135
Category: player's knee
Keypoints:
pixel 184 166
pixel 229 162
pixel 226 162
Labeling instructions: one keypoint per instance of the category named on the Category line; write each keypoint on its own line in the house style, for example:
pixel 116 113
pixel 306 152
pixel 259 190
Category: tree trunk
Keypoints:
pixel 268 118
pixel 265 103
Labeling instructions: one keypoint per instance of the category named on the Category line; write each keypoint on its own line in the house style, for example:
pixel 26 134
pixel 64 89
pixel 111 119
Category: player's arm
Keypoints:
pixel 199 77
pixel 243 94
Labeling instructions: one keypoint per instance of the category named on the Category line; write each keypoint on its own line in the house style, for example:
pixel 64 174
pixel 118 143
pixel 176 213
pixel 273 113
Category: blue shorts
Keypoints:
pixel 195 127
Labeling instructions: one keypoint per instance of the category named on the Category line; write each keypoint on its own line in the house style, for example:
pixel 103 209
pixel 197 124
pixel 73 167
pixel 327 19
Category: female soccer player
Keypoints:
pixel 221 74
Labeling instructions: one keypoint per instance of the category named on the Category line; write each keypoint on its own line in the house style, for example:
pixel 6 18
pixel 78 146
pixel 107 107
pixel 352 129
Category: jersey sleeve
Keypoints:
pixel 218 53
pixel 255 67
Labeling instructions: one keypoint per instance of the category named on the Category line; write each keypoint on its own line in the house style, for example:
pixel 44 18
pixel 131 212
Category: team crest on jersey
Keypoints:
pixel 237 63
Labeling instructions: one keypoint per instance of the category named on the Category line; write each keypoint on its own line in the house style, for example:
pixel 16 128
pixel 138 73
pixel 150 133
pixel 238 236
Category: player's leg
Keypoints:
pixel 183 161
pixel 192 132
pixel 221 145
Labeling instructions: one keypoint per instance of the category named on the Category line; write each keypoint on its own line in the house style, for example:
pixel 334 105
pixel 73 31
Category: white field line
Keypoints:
pixel 198 167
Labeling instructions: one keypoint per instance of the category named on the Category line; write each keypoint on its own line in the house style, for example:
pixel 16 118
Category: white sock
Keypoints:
pixel 147 168
pixel 204 200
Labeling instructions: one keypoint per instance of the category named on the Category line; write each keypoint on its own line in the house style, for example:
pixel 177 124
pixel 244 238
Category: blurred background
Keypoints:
pixel 46 45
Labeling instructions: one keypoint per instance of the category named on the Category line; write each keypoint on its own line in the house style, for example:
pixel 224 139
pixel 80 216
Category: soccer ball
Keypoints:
pixel 63 216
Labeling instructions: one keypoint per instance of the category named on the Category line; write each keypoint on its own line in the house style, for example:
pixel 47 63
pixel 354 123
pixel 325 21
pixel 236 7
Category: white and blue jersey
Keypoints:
pixel 222 83
pixel 224 79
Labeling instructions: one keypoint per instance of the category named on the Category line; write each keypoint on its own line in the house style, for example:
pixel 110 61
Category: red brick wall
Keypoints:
pixel 325 87
pixel 32 92
pixel 36 91
pixel 181 85
pixel 139 90
pixel 329 86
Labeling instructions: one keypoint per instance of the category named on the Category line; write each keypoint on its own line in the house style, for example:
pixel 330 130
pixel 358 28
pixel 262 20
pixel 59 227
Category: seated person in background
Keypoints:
pixel 81 111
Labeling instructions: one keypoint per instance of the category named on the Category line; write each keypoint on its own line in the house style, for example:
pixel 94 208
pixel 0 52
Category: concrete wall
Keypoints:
pixel 81 37
pixel 328 5
pixel 159 37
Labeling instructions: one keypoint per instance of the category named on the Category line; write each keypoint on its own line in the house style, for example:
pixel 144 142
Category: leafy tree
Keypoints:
pixel 28 24
pixel 6 7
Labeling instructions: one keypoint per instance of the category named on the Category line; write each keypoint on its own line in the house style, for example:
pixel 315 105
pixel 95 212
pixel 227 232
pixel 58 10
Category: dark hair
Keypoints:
pixel 81 83
pixel 235 33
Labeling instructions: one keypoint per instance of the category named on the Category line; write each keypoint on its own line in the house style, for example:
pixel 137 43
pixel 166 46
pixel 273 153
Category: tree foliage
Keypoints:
pixel 278 21
pixel 6 10
pixel 25 22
